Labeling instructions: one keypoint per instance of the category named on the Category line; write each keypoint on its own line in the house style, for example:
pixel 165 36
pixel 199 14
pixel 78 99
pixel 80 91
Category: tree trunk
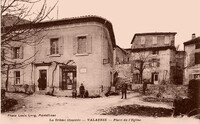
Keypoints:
pixel 141 77
pixel 7 77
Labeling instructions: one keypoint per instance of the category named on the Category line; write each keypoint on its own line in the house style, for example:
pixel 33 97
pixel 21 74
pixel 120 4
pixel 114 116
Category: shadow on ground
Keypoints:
pixel 138 111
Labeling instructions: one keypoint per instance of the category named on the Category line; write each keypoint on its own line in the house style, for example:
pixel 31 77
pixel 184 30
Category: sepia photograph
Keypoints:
pixel 100 61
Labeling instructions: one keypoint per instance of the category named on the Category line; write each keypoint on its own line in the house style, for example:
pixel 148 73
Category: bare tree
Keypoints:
pixel 140 63
pixel 18 27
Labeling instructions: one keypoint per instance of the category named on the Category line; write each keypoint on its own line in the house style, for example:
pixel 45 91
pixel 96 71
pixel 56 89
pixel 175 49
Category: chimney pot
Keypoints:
pixel 193 36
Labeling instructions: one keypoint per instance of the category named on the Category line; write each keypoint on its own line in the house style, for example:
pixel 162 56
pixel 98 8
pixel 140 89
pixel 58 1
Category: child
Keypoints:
pixel 74 93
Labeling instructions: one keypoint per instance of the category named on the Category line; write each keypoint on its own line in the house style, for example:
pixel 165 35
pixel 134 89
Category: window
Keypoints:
pixel 154 63
pixel 154 40
pixel 196 76
pixel 197 58
pixel 17 77
pixel 155 52
pixel 142 40
pixel 161 39
pixel 16 51
pixel 81 44
pixel 197 46
pixel 166 40
pixel 54 46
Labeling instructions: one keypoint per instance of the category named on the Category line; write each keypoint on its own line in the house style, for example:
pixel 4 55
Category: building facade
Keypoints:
pixel 153 57
pixel 71 52
pixel 120 55
pixel 192 59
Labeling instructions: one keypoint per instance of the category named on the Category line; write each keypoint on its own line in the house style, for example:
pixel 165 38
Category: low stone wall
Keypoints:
pixel 25 88
pixel 166 91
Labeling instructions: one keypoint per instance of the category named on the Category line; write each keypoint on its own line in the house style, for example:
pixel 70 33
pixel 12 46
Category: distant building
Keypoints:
pixel 179 67
pixel 192 59
pixel 120 55
pixel 72 51
pixel 157 51
pixel 128 54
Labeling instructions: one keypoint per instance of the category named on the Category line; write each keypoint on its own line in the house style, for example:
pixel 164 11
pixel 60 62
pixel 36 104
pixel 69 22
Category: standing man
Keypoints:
pixel 41 83
pixel 144 86
pixel 82 90
pixel 124 89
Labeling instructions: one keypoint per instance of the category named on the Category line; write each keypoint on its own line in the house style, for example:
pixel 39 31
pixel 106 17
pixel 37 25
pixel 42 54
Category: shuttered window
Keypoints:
pixel 82 40
pixel 166 40
pixel 82 45
pixel 161 39
pixel 154 40
pixel 17 53
pixel 55 46
pixel 142 40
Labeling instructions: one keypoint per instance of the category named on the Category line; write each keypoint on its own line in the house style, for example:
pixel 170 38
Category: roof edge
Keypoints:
pixel 152 33
pixel 66 21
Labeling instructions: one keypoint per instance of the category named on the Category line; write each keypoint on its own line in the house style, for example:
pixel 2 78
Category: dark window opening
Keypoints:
pixel 17 77
pixel 197 58
pixel 54 46
pixel 16 51
pixel 155 52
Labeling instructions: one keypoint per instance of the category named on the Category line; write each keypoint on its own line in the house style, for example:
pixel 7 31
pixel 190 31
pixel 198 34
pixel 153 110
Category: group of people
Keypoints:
pixel 82 92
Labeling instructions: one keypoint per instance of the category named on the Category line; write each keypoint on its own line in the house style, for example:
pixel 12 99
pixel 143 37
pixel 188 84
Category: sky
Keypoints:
pixel 137 16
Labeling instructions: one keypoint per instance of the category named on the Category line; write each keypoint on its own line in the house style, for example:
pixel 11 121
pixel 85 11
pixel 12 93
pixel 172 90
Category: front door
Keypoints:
pixel 155 78
pixel 42 80
pixel 68 78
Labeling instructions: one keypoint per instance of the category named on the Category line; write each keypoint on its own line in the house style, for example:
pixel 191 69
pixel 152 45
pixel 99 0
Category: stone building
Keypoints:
pixel 153 57
pixel 192 59
pixel 72 51
pixel 179 67
pixel 120 55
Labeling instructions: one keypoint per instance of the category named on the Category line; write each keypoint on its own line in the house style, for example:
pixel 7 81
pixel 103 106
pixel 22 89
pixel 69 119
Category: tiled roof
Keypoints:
pixel 66 21
pixel 152 33
pixel 121 49
pixel 193 41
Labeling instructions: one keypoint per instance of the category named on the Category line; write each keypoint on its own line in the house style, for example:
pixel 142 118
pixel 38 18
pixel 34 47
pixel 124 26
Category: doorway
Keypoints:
pixel 154 78
pixel 42 79
pixel 69 78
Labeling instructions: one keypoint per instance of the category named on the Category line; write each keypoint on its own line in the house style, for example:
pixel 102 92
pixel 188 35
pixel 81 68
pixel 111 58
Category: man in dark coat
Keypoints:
pixel 124 89
pixel 41 83
pixel 82 90
pixel 144 86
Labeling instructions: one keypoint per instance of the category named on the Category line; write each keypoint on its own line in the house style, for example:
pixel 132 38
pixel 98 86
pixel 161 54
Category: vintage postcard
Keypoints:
pixel 86 61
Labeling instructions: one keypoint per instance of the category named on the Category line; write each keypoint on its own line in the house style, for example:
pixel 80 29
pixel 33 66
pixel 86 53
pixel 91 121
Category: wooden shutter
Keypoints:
pixel 61 45
pixel 166 39
pixel 75 45
pixel 12 53
pixel 154 40
pixel 192 59
pixel 142 40
pixel 89 44
pixel 48 47
pixel 21 52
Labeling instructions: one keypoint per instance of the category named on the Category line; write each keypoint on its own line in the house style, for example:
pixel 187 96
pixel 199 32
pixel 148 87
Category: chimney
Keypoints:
pixel 193 36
